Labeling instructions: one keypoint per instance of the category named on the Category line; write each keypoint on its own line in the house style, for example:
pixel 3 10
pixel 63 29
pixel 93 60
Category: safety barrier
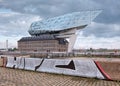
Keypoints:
pixel 13 62
pixel 32 63
pixel 76 67
pixel 84 68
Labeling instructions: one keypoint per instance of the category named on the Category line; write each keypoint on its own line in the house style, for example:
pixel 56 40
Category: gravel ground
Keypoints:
pixel 16 77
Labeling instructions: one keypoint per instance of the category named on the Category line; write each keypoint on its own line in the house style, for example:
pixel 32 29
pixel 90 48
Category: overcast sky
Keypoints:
pixel 17 15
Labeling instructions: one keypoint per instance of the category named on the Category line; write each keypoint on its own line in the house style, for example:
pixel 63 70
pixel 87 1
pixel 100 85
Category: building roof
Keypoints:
pixel 43 37
pixel 37 38
pixel 63 22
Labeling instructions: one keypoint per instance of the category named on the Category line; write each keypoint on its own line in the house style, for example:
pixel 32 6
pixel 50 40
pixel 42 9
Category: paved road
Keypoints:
pixel 15 77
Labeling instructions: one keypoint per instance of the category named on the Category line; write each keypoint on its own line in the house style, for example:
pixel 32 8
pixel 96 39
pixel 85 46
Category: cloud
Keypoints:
pixel 102 30
pixel 99 35
pixel 45 8
pixel 95 42
pixel 48 8
pixel 110 12
pixel 15 24
pixel 2 45
pixel 12 41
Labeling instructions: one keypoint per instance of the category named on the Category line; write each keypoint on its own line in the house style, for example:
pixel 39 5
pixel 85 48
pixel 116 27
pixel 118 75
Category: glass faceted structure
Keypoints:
pixel 64 22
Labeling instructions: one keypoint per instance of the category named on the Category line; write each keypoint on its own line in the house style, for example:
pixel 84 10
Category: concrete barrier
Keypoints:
pixel 32 63
pixel 81 67
pixel 23 63
pixel 10 62
pixel 49 65
pixel 108 69
pixel 20 63
pixel 15 62
pixel 84 68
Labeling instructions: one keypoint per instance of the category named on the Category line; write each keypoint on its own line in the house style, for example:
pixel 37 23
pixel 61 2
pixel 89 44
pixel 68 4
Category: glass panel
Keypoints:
pixel 75 19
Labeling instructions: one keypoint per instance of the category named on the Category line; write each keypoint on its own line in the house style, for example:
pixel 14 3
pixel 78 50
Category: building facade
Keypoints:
pixel 43 43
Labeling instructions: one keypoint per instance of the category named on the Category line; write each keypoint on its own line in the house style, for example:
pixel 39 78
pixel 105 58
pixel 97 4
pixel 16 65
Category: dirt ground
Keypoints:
pixel 112 69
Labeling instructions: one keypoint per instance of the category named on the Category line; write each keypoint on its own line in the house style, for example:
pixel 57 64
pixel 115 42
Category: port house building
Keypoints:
pixel 50 35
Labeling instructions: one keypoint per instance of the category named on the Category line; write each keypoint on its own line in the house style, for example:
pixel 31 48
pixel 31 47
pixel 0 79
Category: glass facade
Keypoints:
pixel 63 22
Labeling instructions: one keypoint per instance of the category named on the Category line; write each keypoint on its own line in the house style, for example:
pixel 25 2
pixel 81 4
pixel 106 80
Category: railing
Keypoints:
pixel 63 54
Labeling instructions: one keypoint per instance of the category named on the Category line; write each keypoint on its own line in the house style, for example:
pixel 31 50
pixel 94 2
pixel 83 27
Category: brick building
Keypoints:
pixel 43 43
